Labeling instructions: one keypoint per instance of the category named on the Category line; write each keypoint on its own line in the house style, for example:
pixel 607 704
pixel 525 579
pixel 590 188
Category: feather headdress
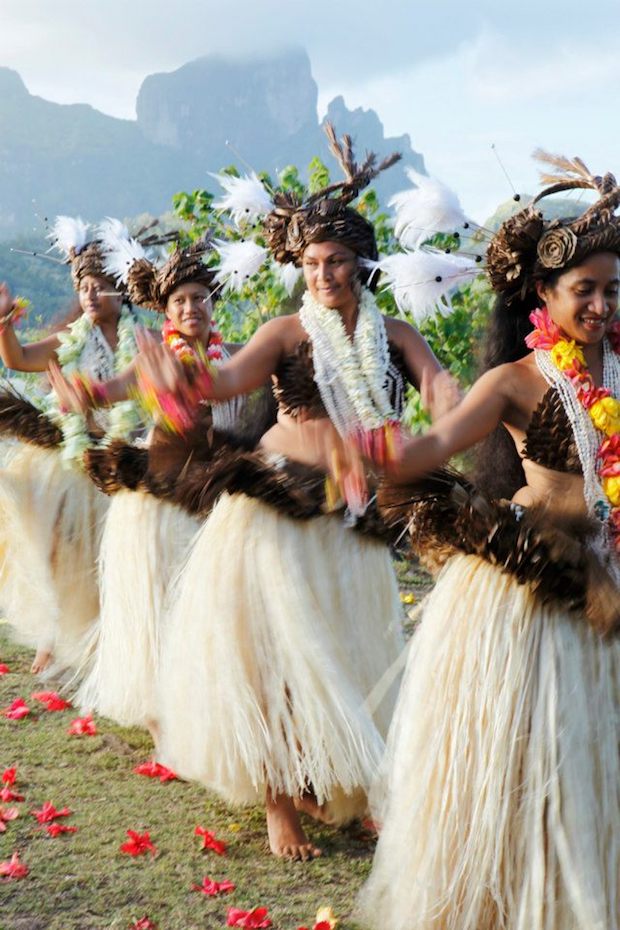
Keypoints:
pixel 425 210
pixel 422 281
pixel 246 198
pixel 528 247
pixel 239 261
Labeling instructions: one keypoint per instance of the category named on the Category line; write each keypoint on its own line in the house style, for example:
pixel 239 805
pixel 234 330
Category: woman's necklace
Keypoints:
pixel 594 414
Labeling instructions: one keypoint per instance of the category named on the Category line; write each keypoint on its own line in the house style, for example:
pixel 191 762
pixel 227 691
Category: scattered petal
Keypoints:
pixel 55 829
pixel 7 814
pixel 51 699
pixel 210 842
pixel 48 813
pixel 327 916
pixel 144 923
pixel 138 844
pixel 152 769
pixel 212 888
pixel 17 710
pixel 83 726
pixel 6 794
pixel 4 669
pixel 252 919
pixel 13 868
pixel 9 776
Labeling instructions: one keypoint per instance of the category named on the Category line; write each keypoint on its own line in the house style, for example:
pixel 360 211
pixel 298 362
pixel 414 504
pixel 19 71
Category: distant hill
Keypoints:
pixel 74 159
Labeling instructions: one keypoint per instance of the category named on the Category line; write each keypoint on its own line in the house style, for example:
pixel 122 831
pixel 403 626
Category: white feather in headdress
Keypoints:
pixel 120 253
pixel 427 209
pixel 239 261
pixel 246 198
pixel 288 275
pixel 69 234
pixel 111 227
pixel 422 281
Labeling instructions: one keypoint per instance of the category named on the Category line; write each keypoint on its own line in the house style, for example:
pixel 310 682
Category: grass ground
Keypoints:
pixel 81 881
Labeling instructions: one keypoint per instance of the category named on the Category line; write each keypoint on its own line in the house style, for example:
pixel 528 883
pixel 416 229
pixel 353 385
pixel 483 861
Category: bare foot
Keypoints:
pixel 286 837
pixel 41 661
pixel 153 728
pixel 308 804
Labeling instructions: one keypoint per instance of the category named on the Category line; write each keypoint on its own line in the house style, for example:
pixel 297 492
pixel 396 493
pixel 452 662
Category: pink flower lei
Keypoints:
pixel 603 408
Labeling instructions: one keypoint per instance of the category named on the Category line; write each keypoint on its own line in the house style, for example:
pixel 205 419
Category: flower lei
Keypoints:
pixel 351 374
pixel 123 418
pixel 602 475
pixel 185 351
pixel 176 412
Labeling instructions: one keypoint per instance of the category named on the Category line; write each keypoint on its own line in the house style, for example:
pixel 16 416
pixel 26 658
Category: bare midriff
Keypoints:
pixel 302 440
pixel 560 491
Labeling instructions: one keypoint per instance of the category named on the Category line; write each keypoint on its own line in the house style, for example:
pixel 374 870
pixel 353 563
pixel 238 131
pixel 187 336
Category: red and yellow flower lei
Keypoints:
pixel 176 412
pixel 603 408
pixel 185 351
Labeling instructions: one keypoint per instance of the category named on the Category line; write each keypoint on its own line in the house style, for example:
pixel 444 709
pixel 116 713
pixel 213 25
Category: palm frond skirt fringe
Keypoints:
pixel 278 632
pixel 51 519
pixel 501 797
pixel 144 541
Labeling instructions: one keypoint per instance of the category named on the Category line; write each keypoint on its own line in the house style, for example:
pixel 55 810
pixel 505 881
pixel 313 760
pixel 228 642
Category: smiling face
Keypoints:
pixel 98 299
pixel 584 299
pixel 330 270
pixel 189 309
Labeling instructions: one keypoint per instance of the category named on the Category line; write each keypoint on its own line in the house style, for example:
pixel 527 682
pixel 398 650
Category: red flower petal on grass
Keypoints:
pixel 322 925
pixel 51 699
pixel 138 844
pixel 83 726
pixel 7 795
pixel 55 829
pixel 6 814
pixel 4 669
pixel 210 842
pixel 13 868
pixel 212 888
pixel 145 923
pixel 17 710
pixel 252 919
pixel 48 813
pixel 9 776
pixel 152 769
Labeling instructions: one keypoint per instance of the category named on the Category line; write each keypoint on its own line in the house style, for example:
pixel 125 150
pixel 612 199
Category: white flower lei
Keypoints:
pixel 122 418
pixel 351 374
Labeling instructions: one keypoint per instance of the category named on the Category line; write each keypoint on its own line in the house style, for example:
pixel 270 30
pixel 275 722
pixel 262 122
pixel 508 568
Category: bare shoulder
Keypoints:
pixel 399 331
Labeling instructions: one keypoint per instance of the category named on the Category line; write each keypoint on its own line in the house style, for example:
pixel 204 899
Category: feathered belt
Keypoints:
pixel 445 514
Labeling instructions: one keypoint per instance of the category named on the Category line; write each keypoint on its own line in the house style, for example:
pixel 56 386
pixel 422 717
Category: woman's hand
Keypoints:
pixel 158 366
pixel 71 394
pixel 440 393
pixel 6 303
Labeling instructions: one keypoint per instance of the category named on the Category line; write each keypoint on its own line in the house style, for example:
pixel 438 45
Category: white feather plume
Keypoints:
pixel 246 198
pixel 239 261
pixel 422 281
pixel 288 275
pixel 428 208
pixel 120 253
pixel 110 226
pixel 69 234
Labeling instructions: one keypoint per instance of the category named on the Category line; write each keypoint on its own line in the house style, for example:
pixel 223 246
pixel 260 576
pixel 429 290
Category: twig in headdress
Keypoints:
pixel 516 196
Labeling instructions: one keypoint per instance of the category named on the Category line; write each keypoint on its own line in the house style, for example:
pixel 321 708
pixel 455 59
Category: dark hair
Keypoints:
pixel 498 467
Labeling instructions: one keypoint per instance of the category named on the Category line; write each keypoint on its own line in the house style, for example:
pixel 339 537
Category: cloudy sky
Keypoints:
pixel 458 76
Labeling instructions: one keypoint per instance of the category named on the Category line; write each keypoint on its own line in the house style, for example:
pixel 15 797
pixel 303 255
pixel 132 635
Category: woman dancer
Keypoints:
pixel 146 533
pixel 503 788
pixel 51 513
pixel 286 613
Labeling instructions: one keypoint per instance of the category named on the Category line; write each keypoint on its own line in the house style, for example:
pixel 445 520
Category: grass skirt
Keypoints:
pixel 50 527
pixel 144 541
pixel 503 768
pixel 280 629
